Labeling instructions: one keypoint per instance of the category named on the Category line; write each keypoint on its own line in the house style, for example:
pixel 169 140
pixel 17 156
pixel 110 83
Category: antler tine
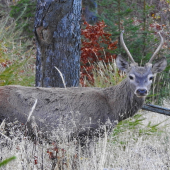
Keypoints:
pixel 157 50
pixel 126 49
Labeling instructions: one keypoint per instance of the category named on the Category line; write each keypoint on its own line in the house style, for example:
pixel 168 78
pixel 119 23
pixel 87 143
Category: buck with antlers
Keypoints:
pixel 83 111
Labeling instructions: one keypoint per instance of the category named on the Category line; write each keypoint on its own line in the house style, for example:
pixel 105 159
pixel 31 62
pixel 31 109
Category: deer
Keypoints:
pixel 83 111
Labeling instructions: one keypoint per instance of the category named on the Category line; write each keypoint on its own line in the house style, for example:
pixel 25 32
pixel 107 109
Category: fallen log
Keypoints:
pixel 157 109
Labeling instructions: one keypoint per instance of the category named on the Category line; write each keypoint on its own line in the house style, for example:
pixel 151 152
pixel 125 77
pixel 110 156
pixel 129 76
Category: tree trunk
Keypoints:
pixel 90 11
pixel 57 32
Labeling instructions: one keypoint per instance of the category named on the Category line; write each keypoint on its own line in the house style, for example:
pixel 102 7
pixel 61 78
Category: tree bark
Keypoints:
pixel 57 32
pixel 90 11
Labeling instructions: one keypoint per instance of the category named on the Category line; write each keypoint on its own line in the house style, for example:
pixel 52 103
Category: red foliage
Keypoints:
pixel 35 160
pixel 157 27
pixel 6 63
pixel 94 44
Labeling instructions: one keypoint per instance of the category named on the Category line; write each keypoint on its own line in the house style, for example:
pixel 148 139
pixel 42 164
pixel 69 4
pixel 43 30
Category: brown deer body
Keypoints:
pixel 82 112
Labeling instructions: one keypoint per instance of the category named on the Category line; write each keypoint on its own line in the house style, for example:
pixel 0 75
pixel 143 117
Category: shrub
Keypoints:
pixel 96 46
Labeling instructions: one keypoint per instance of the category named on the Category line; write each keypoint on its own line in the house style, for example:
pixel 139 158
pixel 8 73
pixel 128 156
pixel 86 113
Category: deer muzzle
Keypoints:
pixel 141 92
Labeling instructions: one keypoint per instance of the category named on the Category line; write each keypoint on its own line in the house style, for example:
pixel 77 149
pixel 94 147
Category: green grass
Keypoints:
pixel 17 55
pixel 6 161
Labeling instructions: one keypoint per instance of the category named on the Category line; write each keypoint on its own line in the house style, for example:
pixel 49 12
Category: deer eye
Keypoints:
pixel 131 77
pixel 150 78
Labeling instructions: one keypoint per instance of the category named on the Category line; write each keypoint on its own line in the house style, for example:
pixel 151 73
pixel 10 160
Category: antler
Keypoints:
pixel 126 49
pixel 157 50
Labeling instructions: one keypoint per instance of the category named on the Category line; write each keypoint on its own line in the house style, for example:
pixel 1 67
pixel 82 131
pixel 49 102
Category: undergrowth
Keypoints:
pixel 104 75
pixel 17 55
pixel 135 143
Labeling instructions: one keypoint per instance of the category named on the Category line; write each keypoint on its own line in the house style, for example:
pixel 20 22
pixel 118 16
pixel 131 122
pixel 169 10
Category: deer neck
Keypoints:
pixel 122 100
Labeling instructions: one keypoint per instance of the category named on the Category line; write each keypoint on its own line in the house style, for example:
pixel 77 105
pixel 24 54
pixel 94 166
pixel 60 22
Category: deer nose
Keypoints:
pixel 141 92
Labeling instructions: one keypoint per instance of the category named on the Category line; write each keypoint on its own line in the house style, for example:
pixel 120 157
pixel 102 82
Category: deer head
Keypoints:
pixel 140 78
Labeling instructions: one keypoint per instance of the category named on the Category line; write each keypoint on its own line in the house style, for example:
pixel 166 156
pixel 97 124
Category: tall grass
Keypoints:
pixel 17 55
pixel 141 142
pixel 104 75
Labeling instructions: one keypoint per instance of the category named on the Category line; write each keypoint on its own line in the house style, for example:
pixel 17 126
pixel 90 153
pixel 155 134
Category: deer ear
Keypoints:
pixel 159 66
pixel 121 63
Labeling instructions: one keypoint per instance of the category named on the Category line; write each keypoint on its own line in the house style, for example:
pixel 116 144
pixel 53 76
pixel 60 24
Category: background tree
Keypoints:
pixel 57 32
pixel 141 20
pixel 137 19
pixel 89 11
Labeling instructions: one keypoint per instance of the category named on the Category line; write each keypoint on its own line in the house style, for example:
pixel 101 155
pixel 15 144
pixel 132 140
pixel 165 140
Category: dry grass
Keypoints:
pixel 141 142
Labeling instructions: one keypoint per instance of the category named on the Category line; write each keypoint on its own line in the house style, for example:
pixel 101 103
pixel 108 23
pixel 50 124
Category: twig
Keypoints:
pixel 32 109
pixel 61 75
